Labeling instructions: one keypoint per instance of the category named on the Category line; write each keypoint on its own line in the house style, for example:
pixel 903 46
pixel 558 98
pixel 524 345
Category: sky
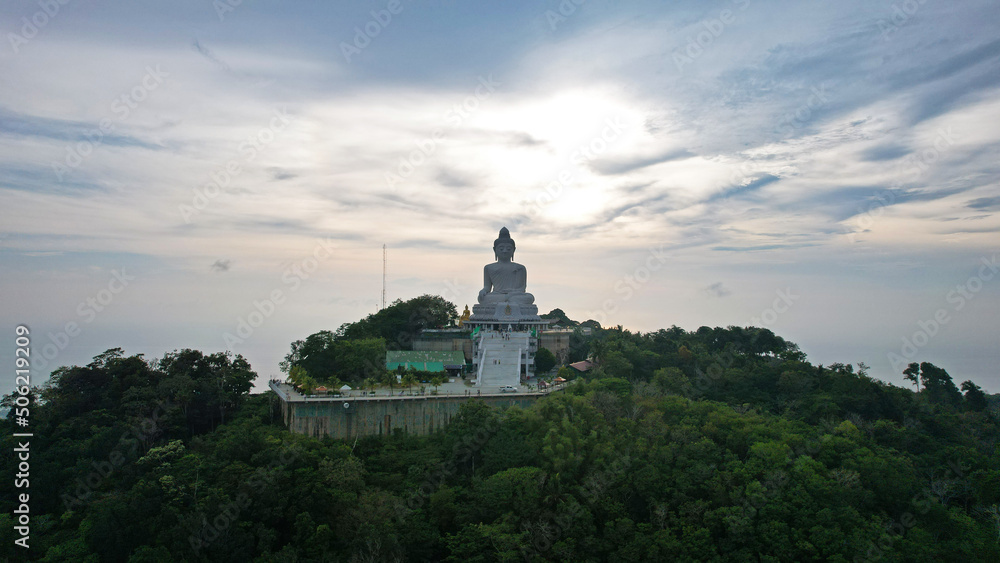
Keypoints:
pixel 223 175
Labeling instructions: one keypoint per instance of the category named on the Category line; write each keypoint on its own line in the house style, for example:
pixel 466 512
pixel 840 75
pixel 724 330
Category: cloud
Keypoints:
pixel 453 179
pixel 745 189
pixel 25 125
pixel 221 265
pixel 989 203
pixel 521 139
pixel 279 174
pixel 717 289
pixel 760 247
pixel 884 152
pixel 610 167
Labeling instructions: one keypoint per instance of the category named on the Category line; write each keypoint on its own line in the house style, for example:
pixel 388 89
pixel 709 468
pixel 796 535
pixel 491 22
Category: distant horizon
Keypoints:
pixel 261 383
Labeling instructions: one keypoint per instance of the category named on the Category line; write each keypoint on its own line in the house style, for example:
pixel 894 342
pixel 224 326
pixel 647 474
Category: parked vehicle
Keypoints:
pixel 508 389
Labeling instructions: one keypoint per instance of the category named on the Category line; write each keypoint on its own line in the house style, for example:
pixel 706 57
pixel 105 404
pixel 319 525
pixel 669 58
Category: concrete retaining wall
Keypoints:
pixel 355 417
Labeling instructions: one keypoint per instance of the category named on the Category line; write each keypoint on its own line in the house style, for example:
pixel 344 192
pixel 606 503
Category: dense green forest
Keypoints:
pixel 355 353
pixel 721 444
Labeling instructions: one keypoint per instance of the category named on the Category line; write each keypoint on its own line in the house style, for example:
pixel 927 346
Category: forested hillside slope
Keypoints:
pixel 720 444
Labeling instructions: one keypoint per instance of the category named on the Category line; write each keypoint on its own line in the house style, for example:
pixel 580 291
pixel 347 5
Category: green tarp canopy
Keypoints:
pixel 423 360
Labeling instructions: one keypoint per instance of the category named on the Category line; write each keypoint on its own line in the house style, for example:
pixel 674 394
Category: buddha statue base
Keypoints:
pixel 506 311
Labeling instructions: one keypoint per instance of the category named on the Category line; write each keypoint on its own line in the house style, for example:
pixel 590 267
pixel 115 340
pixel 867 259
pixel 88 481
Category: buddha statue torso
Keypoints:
pixel 505 280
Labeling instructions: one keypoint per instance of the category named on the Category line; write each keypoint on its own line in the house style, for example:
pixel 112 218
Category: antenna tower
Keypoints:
pixel 383 275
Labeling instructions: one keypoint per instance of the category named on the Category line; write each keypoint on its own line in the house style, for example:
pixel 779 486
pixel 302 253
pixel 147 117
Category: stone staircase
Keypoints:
pixel 507 371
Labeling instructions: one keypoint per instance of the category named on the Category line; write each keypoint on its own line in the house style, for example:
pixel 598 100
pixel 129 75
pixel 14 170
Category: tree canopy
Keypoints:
pixel 401 322
pixel 356 351
pixel 708 445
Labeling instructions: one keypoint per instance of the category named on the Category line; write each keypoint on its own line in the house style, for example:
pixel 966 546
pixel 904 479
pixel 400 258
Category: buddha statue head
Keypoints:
pixel 504 246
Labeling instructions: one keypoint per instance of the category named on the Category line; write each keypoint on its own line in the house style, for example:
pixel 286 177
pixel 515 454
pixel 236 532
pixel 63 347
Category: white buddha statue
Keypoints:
pixel 504 280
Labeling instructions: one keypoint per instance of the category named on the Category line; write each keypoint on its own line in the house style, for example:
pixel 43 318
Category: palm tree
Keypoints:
pixel 369 384
pixel 436 381
pixel 297 375
pixel 308 385
pixel 389 378
pixel 598 348
pixel 410 380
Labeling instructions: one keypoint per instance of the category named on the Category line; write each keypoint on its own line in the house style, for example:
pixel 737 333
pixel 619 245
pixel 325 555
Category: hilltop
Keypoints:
pixel 714 444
